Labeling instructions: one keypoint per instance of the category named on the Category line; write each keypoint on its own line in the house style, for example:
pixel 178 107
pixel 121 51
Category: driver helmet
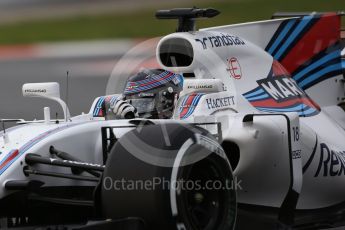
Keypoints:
pixel 154 92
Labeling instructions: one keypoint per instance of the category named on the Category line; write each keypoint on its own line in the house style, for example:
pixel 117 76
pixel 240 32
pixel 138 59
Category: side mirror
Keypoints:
pixel 49 90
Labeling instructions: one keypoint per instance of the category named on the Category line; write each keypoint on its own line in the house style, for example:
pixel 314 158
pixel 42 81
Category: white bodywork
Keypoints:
pixel 314 159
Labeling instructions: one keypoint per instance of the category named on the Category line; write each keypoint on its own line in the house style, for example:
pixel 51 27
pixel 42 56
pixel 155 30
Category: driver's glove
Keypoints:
pixel 124 110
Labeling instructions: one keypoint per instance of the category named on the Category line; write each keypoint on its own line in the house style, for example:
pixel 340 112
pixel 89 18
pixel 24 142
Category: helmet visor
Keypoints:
pixel 143 105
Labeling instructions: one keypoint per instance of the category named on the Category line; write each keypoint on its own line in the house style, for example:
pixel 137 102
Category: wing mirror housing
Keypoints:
pixel 49 90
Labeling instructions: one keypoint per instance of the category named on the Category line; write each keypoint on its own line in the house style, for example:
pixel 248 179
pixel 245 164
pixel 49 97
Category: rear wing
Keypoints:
pixel 317 60
pixel 310 45
pixel 278 15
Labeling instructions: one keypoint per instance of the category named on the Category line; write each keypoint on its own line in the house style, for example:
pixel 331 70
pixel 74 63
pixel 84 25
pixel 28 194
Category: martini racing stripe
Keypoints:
pixel 156 77
pixel 254 92
pixel 261 96
pixel 301 109
pixel 318 38
pixel 321 75
pixel 291 108
pixel 302 113
pixel 325 65
pixel 280 35
pixel 192 107
pixel 301 28
pixel 188 104
pixel 9 158
pixel 272 103
pixel 309 49
pixel 183 102
pixel 147 84
pixel 13 155
pixel 98 107
pixel 316 63
pixel 306 45
pixel 263 100
pixel 113 99
pixel 257 93
pixel 332 48
pixel 288 33
pixel 309 112
pixel 150 85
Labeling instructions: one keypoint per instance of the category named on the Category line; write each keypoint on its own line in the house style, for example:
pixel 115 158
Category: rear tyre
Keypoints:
pixel 172 176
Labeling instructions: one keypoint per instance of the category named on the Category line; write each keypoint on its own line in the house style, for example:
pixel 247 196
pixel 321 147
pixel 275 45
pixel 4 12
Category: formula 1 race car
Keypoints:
pixel 256 139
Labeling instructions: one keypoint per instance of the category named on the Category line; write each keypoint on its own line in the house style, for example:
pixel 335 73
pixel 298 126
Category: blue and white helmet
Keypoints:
pixel 154 92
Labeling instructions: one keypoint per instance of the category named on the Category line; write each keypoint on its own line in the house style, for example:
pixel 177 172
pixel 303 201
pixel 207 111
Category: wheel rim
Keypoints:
pixel 206 206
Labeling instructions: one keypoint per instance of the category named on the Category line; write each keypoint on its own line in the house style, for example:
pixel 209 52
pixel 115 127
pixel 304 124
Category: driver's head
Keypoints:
pixel 154 92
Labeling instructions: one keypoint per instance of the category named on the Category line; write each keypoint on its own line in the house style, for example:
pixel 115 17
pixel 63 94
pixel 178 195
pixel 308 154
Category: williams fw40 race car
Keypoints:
pixel 256 139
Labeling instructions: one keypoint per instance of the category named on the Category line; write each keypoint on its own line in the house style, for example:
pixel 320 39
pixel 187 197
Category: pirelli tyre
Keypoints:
pixel 172 176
